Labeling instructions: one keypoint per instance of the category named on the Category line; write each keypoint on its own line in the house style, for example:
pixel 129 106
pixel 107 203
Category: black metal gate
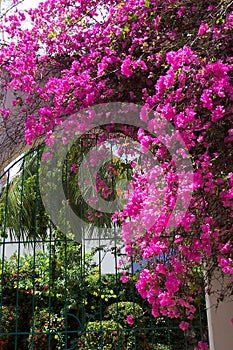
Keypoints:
pixel 57 293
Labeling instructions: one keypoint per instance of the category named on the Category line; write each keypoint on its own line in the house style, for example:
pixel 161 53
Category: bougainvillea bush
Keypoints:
pixel 174 58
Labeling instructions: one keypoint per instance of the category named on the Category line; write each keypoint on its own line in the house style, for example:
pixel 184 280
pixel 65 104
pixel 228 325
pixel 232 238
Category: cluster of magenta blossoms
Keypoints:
pixel 173 57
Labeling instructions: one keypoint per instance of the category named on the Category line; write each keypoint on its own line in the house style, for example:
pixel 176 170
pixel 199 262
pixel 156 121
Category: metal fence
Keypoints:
pixel 57 293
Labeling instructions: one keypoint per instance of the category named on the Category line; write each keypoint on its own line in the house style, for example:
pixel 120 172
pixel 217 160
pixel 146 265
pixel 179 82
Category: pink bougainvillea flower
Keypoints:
pixel 184 325
pixel 124 278
pixel 203 29
pixel 130 320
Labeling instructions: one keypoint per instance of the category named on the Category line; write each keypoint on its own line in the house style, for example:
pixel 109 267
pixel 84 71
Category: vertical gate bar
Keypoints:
pixel 3 247
pixel 101 286
pixel 52 255
pixel 64 242
pixel 83 252
pixel 117 286
pixel 185 339
pixel 19 250
pixel 35 239
pixel 4 241
pixel 100 271
pixel 169 332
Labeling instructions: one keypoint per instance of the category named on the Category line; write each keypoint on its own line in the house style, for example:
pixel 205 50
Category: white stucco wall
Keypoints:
pixel 219 317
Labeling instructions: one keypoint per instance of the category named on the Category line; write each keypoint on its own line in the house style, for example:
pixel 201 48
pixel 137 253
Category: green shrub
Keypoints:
pixel 134 334
pixel 7 325
pixel 119 312
pixel 46 330
pixel 105 335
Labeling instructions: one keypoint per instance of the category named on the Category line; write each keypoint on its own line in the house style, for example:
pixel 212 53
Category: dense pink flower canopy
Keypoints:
pixel 173 57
